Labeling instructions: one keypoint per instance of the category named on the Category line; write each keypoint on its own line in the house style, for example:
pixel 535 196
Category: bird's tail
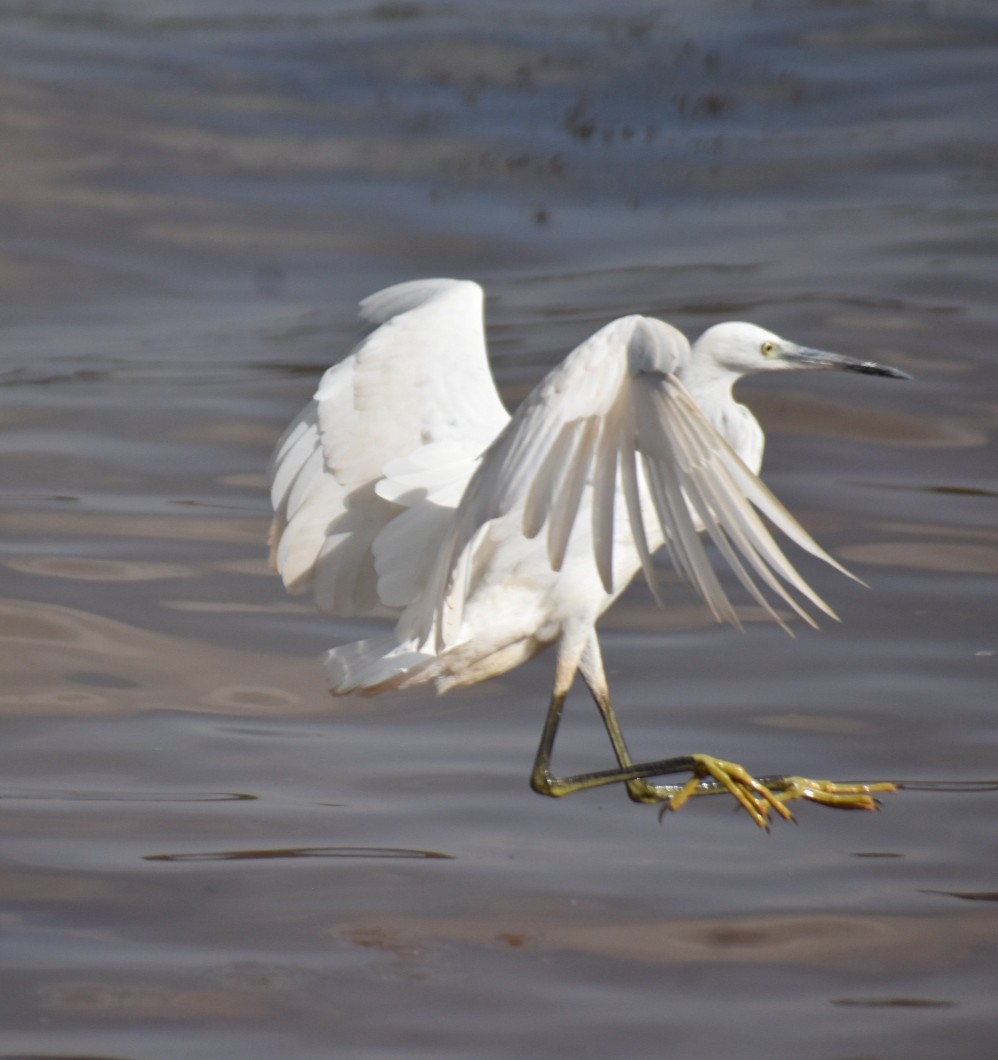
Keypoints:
pixel 377 664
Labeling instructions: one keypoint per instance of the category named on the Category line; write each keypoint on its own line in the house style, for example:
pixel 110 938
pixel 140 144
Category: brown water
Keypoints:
pixel 202 856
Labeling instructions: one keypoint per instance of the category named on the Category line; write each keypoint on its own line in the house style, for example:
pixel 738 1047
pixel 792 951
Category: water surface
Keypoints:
pixel 202 854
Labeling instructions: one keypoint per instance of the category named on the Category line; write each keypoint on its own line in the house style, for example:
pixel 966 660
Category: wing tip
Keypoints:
pixel 399 298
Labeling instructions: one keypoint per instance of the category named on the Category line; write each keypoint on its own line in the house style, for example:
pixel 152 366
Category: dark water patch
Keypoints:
pixel 305 852
pixel 967 896
pixel 964 491
pixel 893 1002
pixel 127 796
pixel 952 490
pixel 15 377
pixel 100 680
pixel 61 1056
pixel 956 787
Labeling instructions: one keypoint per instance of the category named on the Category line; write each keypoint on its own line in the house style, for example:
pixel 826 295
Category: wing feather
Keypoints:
pixel 666 464
pixel 546 483
pixel 735 481
pixel 604 506
pixel 566 507
pixel 631 488
pixel 351 462
pixel 388 486
pixel 611 437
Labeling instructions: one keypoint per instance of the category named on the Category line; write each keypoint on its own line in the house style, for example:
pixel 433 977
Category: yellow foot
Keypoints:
pixel 759 799
pixel 755 798
pixel 830 793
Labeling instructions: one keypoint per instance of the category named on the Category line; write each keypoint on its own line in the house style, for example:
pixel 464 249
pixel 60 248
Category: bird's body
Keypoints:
pixel 406 488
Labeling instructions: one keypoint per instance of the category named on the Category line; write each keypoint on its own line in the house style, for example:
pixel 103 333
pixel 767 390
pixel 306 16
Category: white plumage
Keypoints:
pixel 405 488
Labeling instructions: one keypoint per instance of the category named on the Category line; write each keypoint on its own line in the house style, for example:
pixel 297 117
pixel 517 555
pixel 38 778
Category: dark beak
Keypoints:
pixel 804 357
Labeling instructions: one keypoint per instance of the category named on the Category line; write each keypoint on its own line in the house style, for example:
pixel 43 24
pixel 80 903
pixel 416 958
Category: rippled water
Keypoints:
pixel 202 855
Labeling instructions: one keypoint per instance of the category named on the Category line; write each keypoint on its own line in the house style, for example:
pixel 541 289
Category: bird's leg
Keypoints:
pixel 577 655
pixel 711 775
pixel 545 783
pixel 541 779
pixel 708 773
pixel 593 673
pixel 588 661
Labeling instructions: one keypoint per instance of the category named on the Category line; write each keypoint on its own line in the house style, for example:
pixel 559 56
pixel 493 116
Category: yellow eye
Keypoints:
pixel 768 349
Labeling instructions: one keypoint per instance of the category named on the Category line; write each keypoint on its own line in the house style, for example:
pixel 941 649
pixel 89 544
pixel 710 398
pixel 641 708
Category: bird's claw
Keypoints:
pixel 761 799
pixel 831 793
pixel 755 798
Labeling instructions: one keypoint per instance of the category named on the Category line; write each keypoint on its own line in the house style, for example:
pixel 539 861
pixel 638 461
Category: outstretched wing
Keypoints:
pixel 611 437
pixel 401 421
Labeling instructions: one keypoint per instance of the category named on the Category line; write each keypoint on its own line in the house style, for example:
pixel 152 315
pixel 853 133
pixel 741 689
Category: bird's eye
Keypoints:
pixel 768 349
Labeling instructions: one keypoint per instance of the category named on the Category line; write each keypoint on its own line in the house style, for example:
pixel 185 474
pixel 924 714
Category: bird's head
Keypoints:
pixel 741 348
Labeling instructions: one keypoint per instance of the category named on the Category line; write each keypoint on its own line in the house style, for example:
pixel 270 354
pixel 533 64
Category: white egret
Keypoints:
pixel 404 487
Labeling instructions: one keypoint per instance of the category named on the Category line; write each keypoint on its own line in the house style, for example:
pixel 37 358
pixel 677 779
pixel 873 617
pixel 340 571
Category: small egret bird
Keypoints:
pixel 405 488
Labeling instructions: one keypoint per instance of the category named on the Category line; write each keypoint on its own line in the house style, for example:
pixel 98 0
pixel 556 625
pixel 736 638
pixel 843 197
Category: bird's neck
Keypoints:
pixel 711 387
